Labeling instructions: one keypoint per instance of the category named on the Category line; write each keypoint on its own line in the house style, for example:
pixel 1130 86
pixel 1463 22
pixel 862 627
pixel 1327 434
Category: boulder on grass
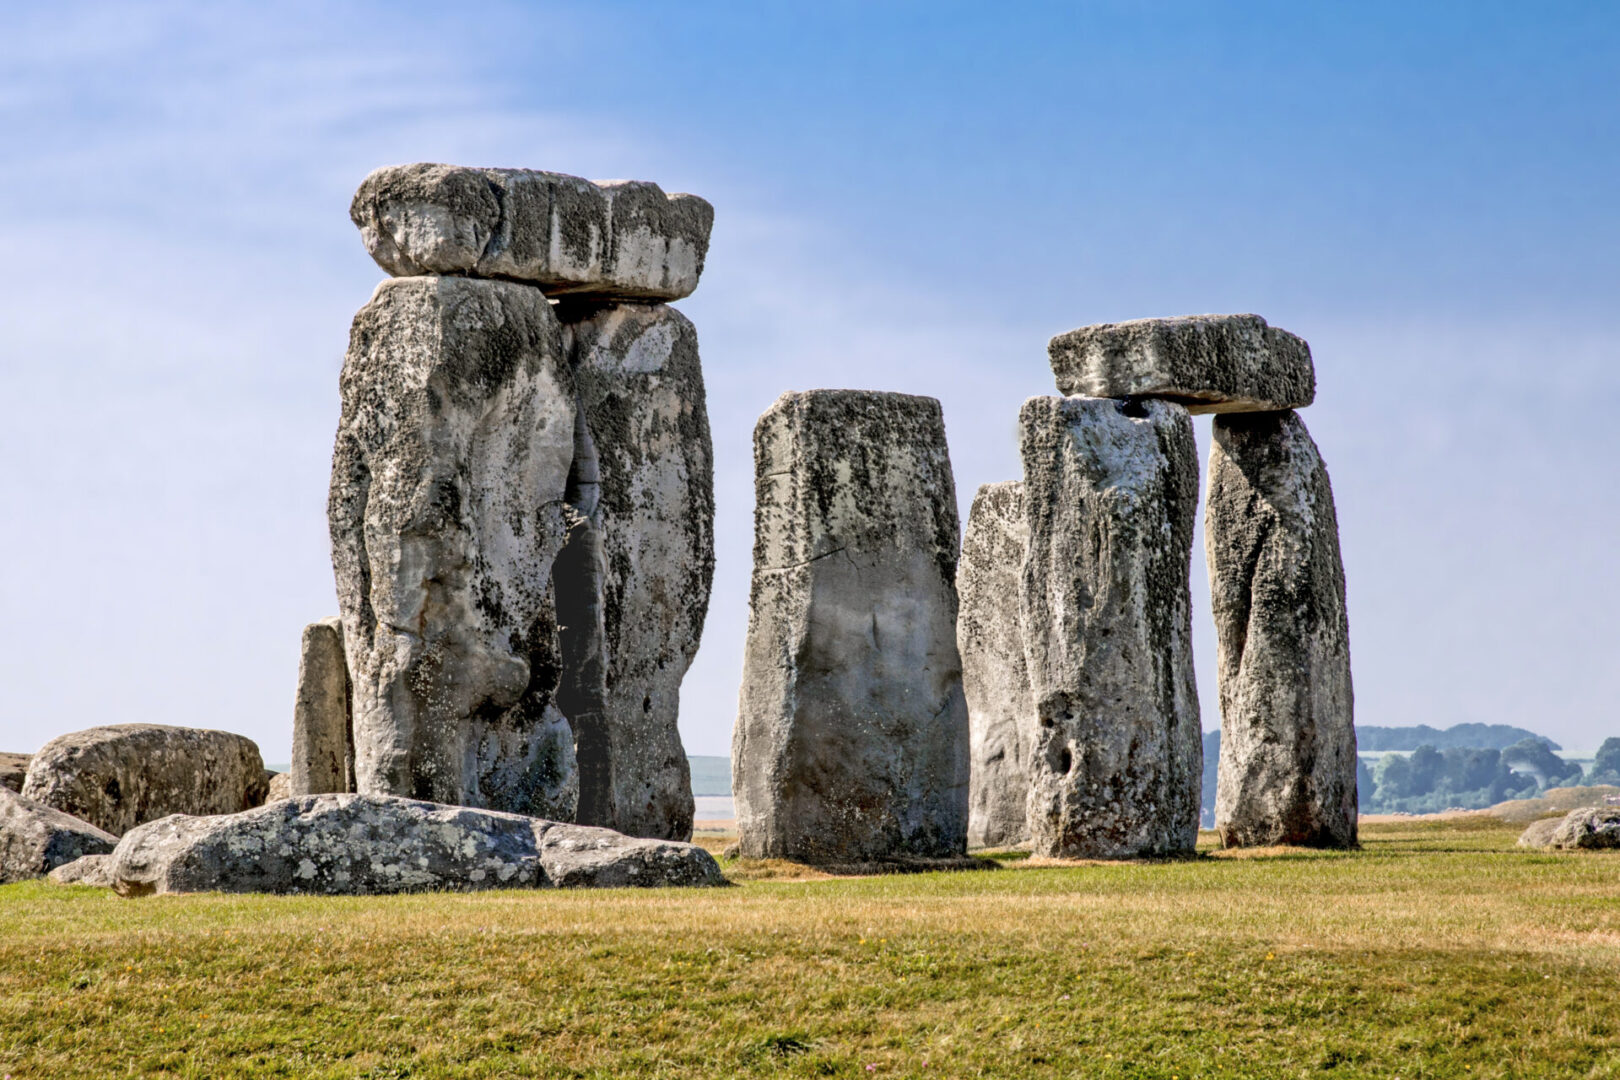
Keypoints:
pixel 35 839
pixel 376 844
pixel 119 776
pixel 1592 828
pixel 93 870
pixel 1540 833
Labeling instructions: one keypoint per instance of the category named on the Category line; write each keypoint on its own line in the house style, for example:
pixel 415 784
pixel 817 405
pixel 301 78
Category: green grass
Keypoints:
pixel 1436 951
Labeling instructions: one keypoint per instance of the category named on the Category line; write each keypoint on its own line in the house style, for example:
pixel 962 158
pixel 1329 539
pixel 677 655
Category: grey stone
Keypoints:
pixel 645 466
pixel 323 751
pixel 376 844
pixel 1540 833
pixel 1593 828
pixel 995 678
pixel 1111 492
pixel 1209 363
pixel 280 787
pixel 119 776
pixel 35 839
pixel 1288 738
pixel 447 511
pixel 13 767
pixel 613 239
pixel 851 743
pixel 94 870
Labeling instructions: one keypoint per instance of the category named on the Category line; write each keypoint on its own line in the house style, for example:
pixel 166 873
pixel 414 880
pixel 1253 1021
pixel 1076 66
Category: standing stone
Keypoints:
pixel 119 776
pixel 1111 492
pixel 851 742
pixel 645 466
pixel 447 511
pixel 35 839
pixel 995 679
pixel 323 750
pixel 1210 363
pixel 1288 739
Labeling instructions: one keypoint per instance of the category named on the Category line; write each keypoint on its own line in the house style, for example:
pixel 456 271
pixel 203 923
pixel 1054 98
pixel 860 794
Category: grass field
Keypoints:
pixel 1436 951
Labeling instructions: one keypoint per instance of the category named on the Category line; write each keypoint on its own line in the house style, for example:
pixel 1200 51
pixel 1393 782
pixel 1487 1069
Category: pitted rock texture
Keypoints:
pixel 851 743
pixel 1110 493
pixel 1593 828
pixel 377 844
pixel 13 767
pixel 611 239
pixel 1209 363
pixel 447 511
pixel 119 776
pixel 94 870
pixel 1288 739
pixel 648 452
pixel 323 750
pixel 995 678
pixel 35 839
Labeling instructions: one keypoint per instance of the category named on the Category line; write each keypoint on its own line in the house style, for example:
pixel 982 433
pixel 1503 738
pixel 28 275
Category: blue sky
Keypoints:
pixel 910 197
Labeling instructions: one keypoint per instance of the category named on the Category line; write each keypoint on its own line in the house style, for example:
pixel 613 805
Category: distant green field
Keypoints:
pixel 1436 951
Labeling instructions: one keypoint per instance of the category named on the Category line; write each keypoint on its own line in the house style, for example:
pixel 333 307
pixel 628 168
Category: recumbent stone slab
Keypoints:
pixel 35 839
pixel 371 844
pixel 117 777
pixel 1288 740
pixel 614 239
pixel 645 469
pixel 323 750
pixel 995 678
pixel 1111 493
pixel 1591 828
pixel 447 511
pixel 91 870
pixel 1209 363
pixel 851 743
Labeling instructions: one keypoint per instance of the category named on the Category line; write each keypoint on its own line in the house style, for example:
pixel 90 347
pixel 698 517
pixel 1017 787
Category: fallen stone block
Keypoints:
pixel 92 870
pixel 1111 493
pixel 995 678
pixel 1540 833
pixel 322 751
pixel 119 776
pixel 614 239
pixel 1288 739
pixel 36 839
pixel 851 743
pixel 377 844
pixel 1592 829
pixel 280 787
pixel 1209 363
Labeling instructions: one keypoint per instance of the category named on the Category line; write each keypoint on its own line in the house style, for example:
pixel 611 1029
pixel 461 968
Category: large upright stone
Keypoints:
pixel 1288 739
pixel 995 679
pixel 646 449
pixel 447 511
pixel 1209 363
pixel 851 742
pixel 1111 493
pixel 613 239
pixel 323 750
pixel 117 777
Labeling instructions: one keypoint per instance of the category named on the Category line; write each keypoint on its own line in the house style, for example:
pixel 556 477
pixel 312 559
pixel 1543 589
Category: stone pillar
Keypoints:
pixel 1288 741
pixel 1111 490
pixel 851 742
pixel 447 511
pixel 322 751
pixel 995 679
pixel 652 516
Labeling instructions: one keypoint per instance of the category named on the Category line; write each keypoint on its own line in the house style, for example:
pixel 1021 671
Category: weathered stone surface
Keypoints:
pixel 35 839
pixel 280 787
pixel 322 753
pixel 1110 492
pixel 13 767
pixel 613 239
pixel 119 776
pixel 375 844
pixel 1592 828
pixel 1209 363
pixel 851 742
pixel 447 511
pixel 995 678
pixel 93 870
pixel 645 469
pixel 1540 833
pixel 1288 737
